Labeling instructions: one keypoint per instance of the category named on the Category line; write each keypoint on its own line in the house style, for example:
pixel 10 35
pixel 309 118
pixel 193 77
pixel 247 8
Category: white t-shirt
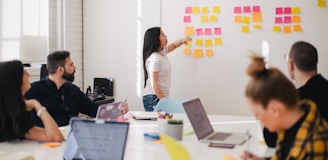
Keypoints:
pixel 161 64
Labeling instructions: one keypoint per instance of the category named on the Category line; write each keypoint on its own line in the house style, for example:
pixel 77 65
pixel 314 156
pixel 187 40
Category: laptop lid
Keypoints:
pixel 198 118
pixel 109 111
pixel 89 139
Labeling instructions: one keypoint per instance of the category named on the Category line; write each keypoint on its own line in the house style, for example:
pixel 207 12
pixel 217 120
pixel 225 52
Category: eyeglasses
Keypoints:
pixel 286 56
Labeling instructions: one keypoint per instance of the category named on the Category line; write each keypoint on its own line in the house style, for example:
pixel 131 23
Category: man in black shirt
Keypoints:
pixel 59 95
pixel 302 66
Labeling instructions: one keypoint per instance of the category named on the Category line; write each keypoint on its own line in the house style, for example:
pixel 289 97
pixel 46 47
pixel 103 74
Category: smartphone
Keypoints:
pixel 221 145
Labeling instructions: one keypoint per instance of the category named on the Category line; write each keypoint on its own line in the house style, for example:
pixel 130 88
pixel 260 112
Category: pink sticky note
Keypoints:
pixel 278 20
pixel 186 19
pixel 237 10
pixel 199 31
pixel 247 9
pixel 287 10
pixel 279 10
pixel 217 31
pixel 287 19
pixel 208 31
pixel 188 10
pixel 256 9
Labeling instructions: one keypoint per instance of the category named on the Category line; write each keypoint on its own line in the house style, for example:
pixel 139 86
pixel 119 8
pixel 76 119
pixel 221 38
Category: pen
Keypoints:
pixel 126 99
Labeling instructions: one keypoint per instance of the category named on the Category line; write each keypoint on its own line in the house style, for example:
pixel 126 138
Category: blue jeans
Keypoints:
pixel 150 101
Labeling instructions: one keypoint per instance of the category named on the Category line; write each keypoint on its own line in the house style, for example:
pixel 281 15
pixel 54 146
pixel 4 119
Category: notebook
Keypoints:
pixel 203 128
pixel 109 111
pixel 92 139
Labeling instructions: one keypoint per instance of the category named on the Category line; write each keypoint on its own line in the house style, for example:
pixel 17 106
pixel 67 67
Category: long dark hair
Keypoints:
pixel 12 104
pixel 151 44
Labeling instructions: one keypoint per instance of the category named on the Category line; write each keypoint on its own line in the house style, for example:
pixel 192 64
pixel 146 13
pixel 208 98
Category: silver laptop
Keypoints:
pixel 203 128
pixel 109 111
pixel 94 139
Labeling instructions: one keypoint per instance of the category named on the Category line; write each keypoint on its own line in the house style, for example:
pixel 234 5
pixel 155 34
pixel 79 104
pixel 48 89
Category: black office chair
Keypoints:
pixel 43 72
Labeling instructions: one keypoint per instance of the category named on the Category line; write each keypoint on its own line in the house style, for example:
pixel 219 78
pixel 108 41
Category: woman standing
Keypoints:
pixel 15 122
pixel 156 65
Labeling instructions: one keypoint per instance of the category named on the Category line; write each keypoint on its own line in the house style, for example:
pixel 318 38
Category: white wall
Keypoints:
pixel 113 35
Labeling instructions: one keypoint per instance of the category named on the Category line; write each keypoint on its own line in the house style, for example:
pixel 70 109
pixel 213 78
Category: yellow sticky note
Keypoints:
pixel 246 20
pixel 204 19
pixel 175 149
pixel 195 9
pixel 238 19
pixel 296 10
pixel 321 3
pixel 257 17
pixel 186 51
pixel 188 44
pixel 245 29
pixel 287 29
pixel 209 52
pixel 208 43
pixel 216 9
pixel 296 19
pixel 228 157
pixel 218 41
pixel 205 10
pixel 257 26
pixel 213 18
pixel 199 42
pixel 189 30
pixel 297 28
pixel 198 53
pixel 276 29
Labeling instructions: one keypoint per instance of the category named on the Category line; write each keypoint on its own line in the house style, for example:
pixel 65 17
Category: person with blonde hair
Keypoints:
pixel 15 122
pixel 302 132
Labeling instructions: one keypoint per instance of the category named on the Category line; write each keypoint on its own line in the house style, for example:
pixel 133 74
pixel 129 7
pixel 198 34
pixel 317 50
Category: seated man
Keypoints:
pixel 302 66
pixel 59 95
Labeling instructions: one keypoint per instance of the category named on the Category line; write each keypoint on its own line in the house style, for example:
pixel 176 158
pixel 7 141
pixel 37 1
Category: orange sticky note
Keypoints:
pixel 189 30
pixel 257 17
pixel 245 29
pixel 198 53
pixel 186 51
pixel 297 28
pixel 51 145
pixel 209 53
pixel 287 29
pixel 276 29
pixel 228 157
pixel 238 19
pixel 296 19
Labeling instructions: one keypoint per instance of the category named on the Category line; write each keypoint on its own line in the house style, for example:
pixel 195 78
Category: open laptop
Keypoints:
pixel 203 128
pixel 109 111
pixel 92 139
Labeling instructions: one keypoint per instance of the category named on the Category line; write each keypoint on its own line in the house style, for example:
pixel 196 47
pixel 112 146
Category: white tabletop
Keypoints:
pixel 138 148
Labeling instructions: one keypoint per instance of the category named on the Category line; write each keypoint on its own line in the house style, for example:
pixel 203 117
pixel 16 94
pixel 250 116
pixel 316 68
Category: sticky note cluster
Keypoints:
pixel 248 16
pixel 287 20
pixel 201 22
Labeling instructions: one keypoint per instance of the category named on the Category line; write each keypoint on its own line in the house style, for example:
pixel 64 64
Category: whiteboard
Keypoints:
pixel 220 80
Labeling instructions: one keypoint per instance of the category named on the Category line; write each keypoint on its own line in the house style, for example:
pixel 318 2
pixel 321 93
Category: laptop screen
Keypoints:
pixel 198 118
pixel 92 140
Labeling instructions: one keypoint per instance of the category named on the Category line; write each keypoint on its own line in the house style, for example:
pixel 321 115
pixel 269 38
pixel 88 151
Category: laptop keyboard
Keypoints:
pixel 219 136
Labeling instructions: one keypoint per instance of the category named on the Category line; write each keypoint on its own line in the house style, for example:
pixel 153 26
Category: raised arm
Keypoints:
pixel 50 132
pixel 178 43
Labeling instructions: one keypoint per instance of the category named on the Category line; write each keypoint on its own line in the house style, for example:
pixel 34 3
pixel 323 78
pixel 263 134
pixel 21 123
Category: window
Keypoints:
pixel 21 18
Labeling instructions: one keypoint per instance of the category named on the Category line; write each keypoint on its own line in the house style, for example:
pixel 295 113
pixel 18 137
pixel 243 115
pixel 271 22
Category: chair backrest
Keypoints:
pixel 170 105
pixel 44 71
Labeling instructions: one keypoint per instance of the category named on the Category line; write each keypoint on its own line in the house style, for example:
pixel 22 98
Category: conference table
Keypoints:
pixel 139 148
